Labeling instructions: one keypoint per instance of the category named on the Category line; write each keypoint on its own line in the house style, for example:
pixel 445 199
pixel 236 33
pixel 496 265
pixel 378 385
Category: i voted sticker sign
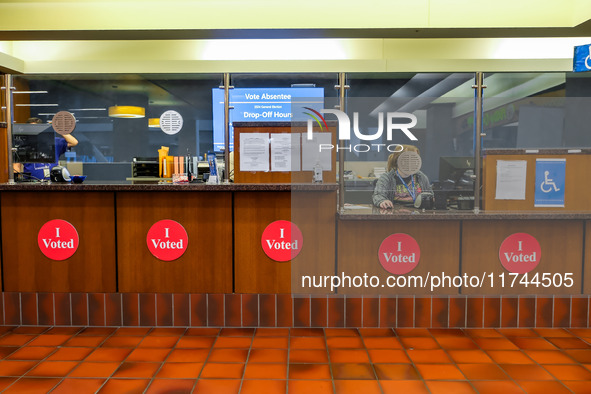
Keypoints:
pixel 520 253
pixel 58 240
pixel 399 254
pixel 282 240
pixel 167 240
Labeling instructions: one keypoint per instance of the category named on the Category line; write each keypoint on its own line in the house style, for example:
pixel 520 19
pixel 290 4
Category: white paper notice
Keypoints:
pixel 285 152
pixel 511 176
pixel 254 152
pixel 312 154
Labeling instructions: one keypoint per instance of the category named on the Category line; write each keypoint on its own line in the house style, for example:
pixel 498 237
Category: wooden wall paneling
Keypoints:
pixel 587 259
pixel 3 136
pixel 278 177
pixel 90 269
pixel 577 183
pixel 359 242
pixel 314 213
pixel 3 155
pixel 206 265
pixel 2 100
pixel 254 271
pixel 561 243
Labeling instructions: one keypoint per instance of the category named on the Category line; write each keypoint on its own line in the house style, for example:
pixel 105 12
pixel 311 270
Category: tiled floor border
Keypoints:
pixel 285 310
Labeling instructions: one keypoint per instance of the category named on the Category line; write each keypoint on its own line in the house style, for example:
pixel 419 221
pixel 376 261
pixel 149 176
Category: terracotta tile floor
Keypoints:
pixel 310 361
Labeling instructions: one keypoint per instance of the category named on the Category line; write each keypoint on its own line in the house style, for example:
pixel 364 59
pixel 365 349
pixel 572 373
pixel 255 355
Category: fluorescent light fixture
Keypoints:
pixel 154 122
pixel 87 109
pixel 536 47
pixel 127 112
pixel 30 92
pixel 36 105
pixel 278 49
pixel 46 114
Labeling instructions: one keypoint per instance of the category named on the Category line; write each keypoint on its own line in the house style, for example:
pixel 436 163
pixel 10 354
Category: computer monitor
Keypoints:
pixel 33 143
pixel 453 168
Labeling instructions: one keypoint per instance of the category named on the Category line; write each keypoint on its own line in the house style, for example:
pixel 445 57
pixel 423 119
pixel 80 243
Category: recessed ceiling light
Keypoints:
pixel 127 112
pixel 154 122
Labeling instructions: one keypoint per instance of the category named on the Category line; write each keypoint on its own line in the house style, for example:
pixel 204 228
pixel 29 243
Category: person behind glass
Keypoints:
pixel 394 186
pixel 41 171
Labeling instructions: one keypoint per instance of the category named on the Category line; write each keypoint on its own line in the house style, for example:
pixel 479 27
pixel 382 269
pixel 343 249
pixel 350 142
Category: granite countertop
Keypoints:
pixel 370 213
pixel 168 187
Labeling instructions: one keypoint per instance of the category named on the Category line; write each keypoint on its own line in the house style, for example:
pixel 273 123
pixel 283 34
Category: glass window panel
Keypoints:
pixel 107 145
pixel 438 102
pixel 536 110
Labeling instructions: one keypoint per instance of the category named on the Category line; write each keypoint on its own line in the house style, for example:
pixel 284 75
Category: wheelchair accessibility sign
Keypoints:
pixel 550 174
pixel 582 58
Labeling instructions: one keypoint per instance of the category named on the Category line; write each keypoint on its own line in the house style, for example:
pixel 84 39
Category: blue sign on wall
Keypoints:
pixel 262 105
pixel 550 183
pixel 582 58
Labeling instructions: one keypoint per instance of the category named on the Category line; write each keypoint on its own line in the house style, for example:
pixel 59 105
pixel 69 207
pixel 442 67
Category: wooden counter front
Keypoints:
pixel 90 269
pixel 467 244
pixel 314 214
pixel 359 242
pixel 206 265
pixel 561 243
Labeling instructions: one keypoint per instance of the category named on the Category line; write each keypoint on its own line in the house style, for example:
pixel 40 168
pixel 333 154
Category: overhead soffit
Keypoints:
pixel 38 36
pixel 216 19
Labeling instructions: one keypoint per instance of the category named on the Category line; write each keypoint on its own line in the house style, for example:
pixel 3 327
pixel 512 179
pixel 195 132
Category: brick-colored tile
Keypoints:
pixel 198 312
pixel 301 312
pixel 388 311
pixel 544 307
pixel 45 309
pixel 267 308
pixel 96 309
pixel 250 310
pixel 233 310
pixel 215 310
pixel 164 307
pixel 336 311
pixel 509 311
pixel 580 310
pixel 527 312
pixel 130 305
pixel 113 315
pixel 284 310
pixel 405 311
pixel 29 309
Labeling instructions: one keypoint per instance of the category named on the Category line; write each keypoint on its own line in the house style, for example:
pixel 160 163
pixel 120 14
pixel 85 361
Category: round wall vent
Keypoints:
pixel 63 122
pixel 409 162
pixel 171 122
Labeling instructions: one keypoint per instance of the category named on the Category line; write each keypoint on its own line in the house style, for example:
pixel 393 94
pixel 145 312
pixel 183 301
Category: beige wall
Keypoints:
pixel 133 36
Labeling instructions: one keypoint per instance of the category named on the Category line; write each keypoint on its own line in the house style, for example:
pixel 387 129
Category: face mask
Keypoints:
pixel 409 163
